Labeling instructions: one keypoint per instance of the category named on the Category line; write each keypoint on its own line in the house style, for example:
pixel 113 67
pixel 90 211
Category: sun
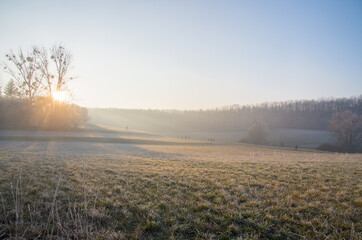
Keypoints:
pixel 60 96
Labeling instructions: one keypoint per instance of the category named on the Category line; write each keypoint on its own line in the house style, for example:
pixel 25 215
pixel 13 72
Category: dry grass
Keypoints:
pixel 112 191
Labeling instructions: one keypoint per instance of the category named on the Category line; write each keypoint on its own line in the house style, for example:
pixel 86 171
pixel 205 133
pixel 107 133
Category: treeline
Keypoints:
pixel 301 114
pixel 43 113
pixel 35 96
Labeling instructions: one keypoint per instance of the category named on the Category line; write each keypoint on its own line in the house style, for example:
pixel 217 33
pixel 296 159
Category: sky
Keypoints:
pixel 195 54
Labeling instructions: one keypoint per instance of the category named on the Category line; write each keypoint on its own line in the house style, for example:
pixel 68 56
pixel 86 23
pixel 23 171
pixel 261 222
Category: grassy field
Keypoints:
pixel 79 190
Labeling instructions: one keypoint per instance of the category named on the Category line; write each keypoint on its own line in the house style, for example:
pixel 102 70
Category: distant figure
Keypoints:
pixel 126 128
pixel 296 147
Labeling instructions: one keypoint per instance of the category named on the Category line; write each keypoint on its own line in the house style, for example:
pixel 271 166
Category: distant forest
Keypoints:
pixel 300 114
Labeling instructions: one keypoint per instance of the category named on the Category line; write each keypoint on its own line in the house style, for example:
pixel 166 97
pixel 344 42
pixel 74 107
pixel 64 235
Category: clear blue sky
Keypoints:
pixel 195 54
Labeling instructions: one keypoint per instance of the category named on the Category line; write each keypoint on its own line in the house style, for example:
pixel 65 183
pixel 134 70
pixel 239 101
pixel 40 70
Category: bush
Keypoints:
pixel 257 133
pixel 339 148
pixel 329 147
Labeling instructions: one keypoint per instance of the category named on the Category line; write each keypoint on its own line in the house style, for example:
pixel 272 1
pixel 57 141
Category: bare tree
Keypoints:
pixel 42 64
pixel 22 68
pixel 348 127
pixel 39 70
pixel 54 76
pixel 32 75
pixel 62 59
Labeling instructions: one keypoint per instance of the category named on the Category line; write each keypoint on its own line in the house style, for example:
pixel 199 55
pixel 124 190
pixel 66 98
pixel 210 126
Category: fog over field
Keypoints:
pixel 300 122
pixel 304 138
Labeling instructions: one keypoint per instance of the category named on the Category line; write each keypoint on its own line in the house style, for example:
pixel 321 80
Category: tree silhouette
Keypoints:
pixel 22 68
pixel 10 89
pixel 257 132
pixel 54 66
pixel 348 127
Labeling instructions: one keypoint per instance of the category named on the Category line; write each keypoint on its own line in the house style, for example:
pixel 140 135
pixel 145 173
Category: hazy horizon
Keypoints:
pixel 195 55
pixel 225 106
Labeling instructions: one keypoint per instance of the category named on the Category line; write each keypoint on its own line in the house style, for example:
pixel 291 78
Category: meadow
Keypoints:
pixel 95 190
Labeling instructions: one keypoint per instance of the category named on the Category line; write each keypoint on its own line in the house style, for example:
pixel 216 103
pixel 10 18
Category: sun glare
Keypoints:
pixel 60 96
